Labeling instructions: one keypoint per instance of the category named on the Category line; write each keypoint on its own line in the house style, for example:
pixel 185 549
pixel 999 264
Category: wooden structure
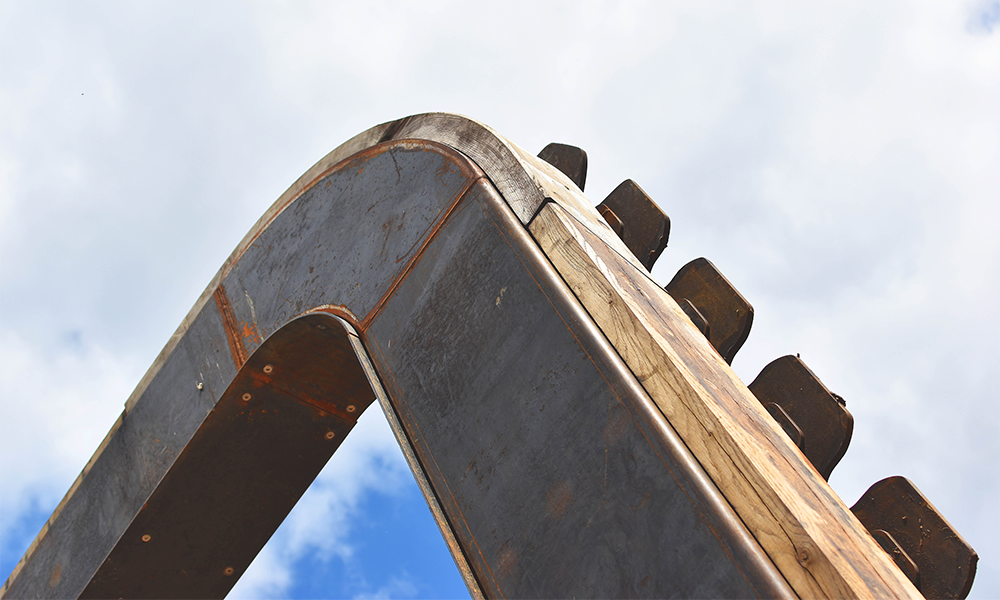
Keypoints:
pixel 572 429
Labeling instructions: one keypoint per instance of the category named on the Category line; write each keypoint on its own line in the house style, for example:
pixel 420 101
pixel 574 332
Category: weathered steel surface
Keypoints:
pixel 554 472
pixel 400 267
pixel 572 161
pixel 561 478
pixel 818 416
pixel 726 313
pixel 945 563
pixel 365 225
pixel 643 227
pixel 283 416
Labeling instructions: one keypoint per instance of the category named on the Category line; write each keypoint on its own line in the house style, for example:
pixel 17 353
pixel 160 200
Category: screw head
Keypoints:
pixel 268 368
pixel 330 435
pixel 246 397
pixel 146 537
pixel 351 408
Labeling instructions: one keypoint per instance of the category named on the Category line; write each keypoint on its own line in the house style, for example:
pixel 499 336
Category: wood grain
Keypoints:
pixel 806 530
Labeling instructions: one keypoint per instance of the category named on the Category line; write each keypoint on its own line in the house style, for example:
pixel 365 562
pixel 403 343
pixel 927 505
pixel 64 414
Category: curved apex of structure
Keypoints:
pixel 525 181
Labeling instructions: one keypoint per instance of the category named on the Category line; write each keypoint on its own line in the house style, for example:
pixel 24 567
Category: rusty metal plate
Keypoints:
pixel 282 418
pixel 945 561
pixel 572 161
pixel 644 228
pixel 727 312
pixel 558 474
pixel 820 417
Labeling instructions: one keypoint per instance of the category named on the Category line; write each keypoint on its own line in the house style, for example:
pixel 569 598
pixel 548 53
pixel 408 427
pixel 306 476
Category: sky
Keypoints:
pixel 839 163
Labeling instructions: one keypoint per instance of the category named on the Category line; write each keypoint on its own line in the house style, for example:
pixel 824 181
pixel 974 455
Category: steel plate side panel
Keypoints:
pixel 554 475
pixel 343 242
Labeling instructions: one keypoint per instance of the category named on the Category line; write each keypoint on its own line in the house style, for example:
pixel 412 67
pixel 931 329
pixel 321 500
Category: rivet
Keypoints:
pixel 351 408
pixel 146 537
pixel 330 434
pixel 321 327
pixel 229 571
pixel 246 397
pixel 268 368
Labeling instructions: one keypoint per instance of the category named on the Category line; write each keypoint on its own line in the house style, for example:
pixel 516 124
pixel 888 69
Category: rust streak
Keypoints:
pixel 275 384
pixel 431 235
pixel 236 347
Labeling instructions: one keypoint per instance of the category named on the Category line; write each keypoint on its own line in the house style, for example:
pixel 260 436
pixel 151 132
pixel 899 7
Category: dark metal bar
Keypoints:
pixel 561 440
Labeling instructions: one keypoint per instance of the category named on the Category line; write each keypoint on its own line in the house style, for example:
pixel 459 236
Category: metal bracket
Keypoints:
pixel 726 311
pixel 895 511
pixel 819 415
pixel 572 161
pixel 614 222
pixel 646 227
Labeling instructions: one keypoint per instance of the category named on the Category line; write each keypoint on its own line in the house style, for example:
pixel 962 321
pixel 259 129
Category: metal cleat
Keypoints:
pixel 912 531
pixel 645 229
pixel 695 315
pixel 572 161
pixel 726 311
pixel 817 415
pixel 613 221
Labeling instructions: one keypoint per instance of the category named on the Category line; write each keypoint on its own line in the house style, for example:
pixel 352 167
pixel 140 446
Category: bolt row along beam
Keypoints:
pixel 572 429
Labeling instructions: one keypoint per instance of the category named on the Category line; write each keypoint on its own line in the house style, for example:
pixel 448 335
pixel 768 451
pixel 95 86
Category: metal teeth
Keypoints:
pixel 727 313
pixel 572 161
pixel 791 392
pixel 921 542
pixel 645 228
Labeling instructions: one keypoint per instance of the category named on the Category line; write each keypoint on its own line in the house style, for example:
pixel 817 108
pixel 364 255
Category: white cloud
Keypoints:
pixel 397 587
pixel 837 162
pixel 58 405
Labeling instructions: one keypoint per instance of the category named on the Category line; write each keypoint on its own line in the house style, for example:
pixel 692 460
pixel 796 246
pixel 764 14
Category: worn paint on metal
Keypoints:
pixel 553 470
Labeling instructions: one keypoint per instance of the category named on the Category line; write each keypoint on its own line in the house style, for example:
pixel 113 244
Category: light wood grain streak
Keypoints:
pixel 820 548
